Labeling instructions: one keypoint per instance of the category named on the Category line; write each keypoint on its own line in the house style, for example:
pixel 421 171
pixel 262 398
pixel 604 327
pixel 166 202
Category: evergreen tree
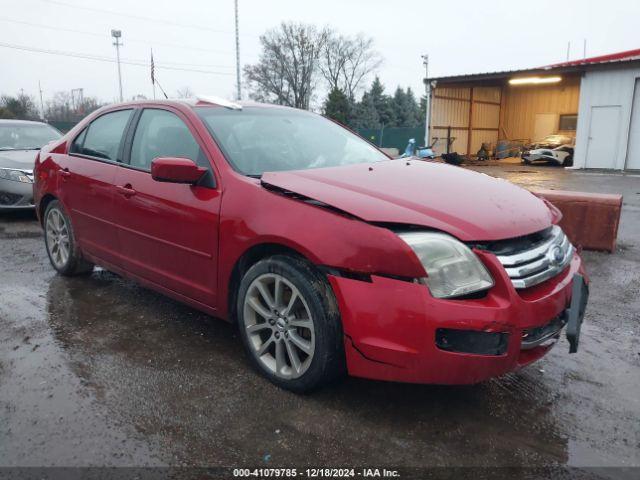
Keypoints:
pixel 365 114
pixel 406 109
pixel 399 103
pixel 338 107
pixel 382 104
pixel 413 117
pixel 422 108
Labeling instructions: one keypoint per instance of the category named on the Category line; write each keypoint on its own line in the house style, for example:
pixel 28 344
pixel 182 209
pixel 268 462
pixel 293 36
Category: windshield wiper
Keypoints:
pixel 254 175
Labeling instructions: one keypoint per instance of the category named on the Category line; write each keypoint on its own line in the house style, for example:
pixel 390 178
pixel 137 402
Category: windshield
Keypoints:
pixel 257 140
pixel 27 136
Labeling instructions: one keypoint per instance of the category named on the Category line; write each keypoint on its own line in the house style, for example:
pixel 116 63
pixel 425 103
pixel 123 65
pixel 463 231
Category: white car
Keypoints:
pixel 562 155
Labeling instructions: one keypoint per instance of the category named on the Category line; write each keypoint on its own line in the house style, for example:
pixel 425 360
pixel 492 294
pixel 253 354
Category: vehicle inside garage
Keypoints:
pixel 588 105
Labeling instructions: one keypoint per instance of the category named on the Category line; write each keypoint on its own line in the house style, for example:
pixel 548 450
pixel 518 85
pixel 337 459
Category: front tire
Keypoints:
pixel 290 324
pixel 61 243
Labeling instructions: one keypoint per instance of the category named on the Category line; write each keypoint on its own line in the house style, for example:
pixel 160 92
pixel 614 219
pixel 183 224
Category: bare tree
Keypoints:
pixel 288 67
pixel 61 107
pixel 21 107
pixel 185 92
pixel 361 60
pixel 337 49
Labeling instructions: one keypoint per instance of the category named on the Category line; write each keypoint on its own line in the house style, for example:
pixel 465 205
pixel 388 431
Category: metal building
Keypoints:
pixel 594 100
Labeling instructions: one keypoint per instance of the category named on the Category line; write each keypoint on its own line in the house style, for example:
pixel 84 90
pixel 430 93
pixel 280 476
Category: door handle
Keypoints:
pixel 65 173
pixel 127 191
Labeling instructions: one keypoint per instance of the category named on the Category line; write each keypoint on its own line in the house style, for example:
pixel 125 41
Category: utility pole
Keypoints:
pixel 427 88
pixel 41 102
pixel 116 34
pixel 239 94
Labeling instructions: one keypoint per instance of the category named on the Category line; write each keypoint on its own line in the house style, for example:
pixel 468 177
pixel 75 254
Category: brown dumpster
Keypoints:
pixel 590 220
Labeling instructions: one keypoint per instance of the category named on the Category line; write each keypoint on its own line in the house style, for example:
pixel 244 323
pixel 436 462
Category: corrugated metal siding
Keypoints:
pixel 483 136
pixel 454 110
pixel 445 113
pixel 459 144
pixel 605 88
pixel 455 92
pixel 485 115
pixel 450 112
pixel 487 94
pixel 522 103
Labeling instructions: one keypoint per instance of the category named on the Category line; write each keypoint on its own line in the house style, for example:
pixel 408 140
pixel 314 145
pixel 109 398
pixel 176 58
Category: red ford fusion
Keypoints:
pixel 329 256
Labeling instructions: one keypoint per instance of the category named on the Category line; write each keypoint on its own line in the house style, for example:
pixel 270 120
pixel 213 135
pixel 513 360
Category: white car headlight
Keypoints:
pixel 14 175
pixel 452 268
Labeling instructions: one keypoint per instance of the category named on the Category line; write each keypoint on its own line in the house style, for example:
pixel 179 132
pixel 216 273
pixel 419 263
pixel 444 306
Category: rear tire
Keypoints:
pixel 290 324
pixel 60 242
pixel 568 161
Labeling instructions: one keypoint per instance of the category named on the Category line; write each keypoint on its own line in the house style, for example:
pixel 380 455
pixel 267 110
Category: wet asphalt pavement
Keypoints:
pixel 98 371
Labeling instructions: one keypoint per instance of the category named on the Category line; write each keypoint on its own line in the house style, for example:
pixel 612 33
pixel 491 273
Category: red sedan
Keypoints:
pixel 328 255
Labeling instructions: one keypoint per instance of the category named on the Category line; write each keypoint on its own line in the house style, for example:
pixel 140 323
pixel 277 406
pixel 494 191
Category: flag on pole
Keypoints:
pixel 153 69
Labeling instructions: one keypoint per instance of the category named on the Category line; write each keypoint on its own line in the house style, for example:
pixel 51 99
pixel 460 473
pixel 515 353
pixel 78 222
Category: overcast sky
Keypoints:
pixel 459 36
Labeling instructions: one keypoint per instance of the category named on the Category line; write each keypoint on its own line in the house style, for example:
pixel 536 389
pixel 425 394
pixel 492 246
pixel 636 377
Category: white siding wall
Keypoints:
pixel 600 89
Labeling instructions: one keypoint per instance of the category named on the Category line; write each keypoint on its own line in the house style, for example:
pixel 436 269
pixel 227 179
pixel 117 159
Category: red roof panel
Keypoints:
pixel 611 57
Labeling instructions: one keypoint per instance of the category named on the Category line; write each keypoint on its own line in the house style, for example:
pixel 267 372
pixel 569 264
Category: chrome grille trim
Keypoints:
pixel 531 267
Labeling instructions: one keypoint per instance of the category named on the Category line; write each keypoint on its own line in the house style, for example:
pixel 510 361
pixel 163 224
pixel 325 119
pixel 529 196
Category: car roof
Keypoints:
pixel 11 121
pixel 198 102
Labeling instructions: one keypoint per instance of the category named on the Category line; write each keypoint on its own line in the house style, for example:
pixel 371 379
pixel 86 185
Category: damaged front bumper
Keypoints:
pixel 395 330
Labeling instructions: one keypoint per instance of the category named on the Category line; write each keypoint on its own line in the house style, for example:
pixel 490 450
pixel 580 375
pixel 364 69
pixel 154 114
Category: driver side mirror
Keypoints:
pixel 176 170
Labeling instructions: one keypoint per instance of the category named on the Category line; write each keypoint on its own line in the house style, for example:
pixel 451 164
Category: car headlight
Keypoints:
pixel 15 175
pixel 452 268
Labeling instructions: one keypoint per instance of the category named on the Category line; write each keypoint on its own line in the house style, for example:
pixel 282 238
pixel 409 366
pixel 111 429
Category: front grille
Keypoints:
pixel 7 198
pixel 472 341
pixel 538 261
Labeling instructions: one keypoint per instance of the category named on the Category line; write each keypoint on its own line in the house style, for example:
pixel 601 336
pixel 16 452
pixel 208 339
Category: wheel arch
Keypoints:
pixel 43 204
pixel 249 258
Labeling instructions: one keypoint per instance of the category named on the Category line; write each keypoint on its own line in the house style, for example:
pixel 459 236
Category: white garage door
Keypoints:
pixel 602 144
pixel 633 147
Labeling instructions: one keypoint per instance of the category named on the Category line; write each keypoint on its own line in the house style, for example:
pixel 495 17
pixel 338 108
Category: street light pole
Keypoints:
pixel 41 101
pixel 239 94
pixel 427 88
pixel 116 34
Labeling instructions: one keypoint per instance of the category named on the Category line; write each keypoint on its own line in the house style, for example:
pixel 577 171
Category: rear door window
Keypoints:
pixel 103 137
pixel 161 133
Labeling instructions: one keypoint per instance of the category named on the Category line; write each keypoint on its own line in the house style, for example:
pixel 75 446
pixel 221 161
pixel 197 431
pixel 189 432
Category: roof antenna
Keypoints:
pixel 568 50
pixel 584 48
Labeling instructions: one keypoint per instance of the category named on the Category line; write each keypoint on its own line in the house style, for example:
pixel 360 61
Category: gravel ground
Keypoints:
pixel 96 371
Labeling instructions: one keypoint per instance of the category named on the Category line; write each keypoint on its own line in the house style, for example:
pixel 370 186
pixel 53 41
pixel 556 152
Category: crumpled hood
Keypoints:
pixel 19 159
pixel 469 205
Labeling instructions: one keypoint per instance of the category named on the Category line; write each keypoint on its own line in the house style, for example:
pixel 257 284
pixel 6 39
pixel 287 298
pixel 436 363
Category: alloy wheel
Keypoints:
pixel 58 243
pixel 279 326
